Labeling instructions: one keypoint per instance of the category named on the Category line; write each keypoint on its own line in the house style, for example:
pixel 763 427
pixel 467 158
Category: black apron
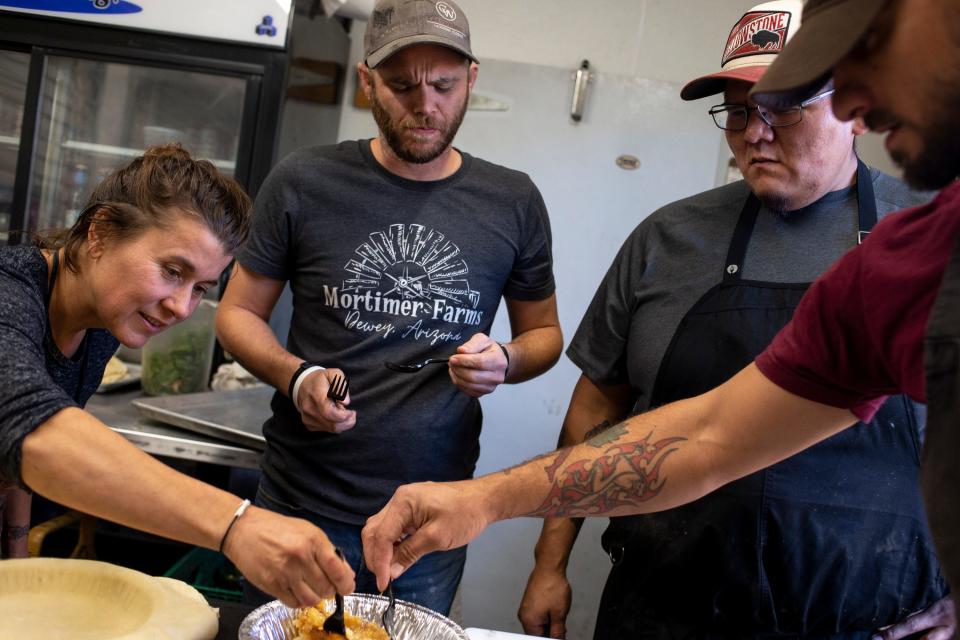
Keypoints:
pixel 828 542
pixel 941 454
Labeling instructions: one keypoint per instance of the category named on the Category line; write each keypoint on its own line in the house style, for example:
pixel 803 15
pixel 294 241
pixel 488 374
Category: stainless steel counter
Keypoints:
pixel 117 412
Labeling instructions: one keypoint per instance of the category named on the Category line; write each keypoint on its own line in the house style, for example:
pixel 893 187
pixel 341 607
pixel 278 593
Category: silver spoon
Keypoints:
pixel 413 368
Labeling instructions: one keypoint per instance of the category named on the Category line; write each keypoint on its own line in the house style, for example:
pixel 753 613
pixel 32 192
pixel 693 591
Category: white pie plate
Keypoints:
pixel 54 598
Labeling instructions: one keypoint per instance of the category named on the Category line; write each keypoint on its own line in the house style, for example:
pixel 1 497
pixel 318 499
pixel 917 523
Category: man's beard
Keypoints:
pixel 391 132
pixel 775 203
pixel 938 162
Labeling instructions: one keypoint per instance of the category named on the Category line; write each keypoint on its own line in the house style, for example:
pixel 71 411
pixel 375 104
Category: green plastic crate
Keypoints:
pixel 210 573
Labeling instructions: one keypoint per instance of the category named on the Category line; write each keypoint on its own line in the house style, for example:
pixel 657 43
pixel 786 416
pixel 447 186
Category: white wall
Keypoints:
pixel 661 39
pixel 643 51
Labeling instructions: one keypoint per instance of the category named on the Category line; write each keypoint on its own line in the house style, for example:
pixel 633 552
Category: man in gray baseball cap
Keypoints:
pixel 398 248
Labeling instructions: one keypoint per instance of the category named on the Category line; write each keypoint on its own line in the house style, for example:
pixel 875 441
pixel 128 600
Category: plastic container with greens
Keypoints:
pixel 178 360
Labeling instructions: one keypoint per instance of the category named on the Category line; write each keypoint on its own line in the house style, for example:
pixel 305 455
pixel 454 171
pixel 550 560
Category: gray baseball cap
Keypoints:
pixel 831 29
pixel 395 24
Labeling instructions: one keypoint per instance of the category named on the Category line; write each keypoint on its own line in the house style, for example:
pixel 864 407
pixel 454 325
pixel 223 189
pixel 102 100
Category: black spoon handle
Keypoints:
pixel 413 368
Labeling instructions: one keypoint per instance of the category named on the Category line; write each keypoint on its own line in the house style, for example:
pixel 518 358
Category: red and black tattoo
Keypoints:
pixel 625 474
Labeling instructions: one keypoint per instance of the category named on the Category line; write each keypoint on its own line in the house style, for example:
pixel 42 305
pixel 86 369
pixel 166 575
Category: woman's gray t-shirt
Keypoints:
pixel 36 379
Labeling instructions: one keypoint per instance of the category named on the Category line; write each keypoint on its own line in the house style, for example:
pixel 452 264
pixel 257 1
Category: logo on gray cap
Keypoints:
pixel 446 11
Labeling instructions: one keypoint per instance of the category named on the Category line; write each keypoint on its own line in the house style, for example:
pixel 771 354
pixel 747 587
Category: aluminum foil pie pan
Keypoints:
pixel 274 620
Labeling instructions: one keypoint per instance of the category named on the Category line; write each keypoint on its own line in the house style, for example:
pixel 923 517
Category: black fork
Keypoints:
pixel 334 622
pixel 387 617
pixel 338 388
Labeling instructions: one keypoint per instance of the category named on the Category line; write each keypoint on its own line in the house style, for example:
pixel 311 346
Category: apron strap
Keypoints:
pixel 741 238
pixel 866 220
pixel 866 203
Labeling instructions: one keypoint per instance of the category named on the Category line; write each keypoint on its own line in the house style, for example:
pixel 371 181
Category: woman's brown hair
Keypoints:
pixel 152 191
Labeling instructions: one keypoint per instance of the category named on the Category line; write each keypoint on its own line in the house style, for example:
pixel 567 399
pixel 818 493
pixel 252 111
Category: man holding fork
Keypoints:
pixel 396 249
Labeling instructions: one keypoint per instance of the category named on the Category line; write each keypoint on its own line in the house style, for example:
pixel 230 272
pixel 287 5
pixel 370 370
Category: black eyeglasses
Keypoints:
pixel 735 117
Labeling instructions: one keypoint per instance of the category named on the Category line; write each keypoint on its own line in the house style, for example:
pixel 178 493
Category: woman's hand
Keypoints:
pixel 287 557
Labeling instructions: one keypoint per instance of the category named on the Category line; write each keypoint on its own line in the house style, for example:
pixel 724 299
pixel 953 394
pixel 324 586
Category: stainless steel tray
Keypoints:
pixel 274 620
pixel 236 416
pixel 132 377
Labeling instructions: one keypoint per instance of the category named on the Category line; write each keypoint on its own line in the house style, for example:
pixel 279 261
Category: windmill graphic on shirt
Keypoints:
pixel 410 262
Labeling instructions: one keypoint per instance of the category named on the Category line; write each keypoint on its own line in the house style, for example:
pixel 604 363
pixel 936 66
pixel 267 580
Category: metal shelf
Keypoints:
pixel 128 152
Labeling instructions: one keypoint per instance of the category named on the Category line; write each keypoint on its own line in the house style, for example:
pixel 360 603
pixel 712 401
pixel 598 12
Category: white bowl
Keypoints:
pixel 90 600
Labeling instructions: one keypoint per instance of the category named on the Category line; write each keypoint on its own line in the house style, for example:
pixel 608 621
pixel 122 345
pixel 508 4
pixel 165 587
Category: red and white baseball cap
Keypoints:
pixel 752 46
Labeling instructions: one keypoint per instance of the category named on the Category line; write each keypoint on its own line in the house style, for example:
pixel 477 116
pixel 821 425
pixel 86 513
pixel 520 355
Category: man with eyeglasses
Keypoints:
pixel 736 117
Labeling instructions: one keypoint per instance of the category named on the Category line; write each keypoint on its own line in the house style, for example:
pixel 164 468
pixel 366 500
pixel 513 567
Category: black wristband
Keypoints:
pixel 506 354
pixel 296 374
pixel 236 516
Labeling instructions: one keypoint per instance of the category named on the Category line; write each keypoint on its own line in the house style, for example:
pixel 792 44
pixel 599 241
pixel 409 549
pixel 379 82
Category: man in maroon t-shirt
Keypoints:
pixel 898 68
pixel 857 336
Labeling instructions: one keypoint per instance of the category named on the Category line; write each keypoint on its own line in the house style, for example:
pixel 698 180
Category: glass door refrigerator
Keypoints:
pixel 86 85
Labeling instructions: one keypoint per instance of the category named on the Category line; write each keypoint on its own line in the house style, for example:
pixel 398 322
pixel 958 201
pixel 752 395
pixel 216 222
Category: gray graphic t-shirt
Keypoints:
pixel 383 268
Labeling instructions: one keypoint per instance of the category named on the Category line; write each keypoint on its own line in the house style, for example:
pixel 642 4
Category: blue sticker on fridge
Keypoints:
pixel 75 6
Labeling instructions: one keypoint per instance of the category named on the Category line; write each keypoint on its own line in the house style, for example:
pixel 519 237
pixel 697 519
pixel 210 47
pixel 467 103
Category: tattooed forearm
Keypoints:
pixel 626 473
pixel 556 464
